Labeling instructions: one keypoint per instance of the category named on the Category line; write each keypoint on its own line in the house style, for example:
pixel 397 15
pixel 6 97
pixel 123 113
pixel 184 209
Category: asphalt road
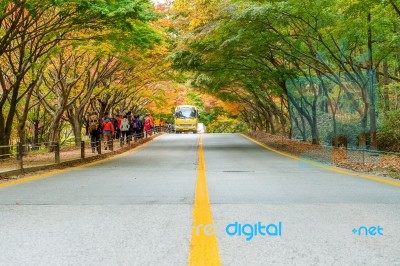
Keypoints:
pixel 137 209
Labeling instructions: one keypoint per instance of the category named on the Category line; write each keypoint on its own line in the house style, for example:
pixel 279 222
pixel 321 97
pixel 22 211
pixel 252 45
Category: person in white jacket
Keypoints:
pixel 125 126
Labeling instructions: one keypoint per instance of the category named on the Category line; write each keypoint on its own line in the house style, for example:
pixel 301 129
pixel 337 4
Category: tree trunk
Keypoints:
pixel 314 125
pixel 386 81
pixel 303 129
pixel 4 146
pixel 362 136
pixel 54 131
pixel 271 122
pixel 22 133
pixel 77 129
pixel 335 139
pixel 372 112
pixel 6 121
pixel 35 141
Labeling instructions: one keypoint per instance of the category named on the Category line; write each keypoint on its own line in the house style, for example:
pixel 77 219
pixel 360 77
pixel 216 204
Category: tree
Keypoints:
pixel 32 30
pixel 261 45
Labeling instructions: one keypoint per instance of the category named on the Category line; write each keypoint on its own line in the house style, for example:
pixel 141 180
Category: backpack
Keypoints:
pixel 108 126
pixel 138 123
pixel 93 123
pixel 125 125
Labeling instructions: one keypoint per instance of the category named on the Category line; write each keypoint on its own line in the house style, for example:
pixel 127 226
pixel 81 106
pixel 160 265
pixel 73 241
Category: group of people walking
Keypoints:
pixel 125 128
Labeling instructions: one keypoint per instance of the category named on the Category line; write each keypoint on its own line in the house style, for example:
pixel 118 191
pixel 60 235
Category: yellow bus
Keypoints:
pixel 186 118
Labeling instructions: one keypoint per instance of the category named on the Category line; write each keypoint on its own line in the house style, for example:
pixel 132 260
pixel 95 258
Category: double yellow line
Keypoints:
pixel 203 247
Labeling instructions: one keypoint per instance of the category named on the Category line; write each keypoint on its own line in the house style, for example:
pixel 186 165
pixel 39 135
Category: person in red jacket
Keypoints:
pixel 147 125
pixel 108 133
pixel 117 126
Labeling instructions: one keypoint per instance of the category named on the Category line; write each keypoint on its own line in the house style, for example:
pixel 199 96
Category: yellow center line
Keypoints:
pixel 203 246
pixel 337 170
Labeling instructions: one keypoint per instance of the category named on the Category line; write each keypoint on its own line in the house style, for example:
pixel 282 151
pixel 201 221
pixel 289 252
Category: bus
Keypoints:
pixel 186 118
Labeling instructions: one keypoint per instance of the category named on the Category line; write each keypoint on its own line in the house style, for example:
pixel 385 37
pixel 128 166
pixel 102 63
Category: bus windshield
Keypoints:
pixel 186 113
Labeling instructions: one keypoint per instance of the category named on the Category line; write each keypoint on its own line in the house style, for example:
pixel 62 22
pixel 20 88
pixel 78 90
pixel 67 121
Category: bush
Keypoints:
pixel 389 135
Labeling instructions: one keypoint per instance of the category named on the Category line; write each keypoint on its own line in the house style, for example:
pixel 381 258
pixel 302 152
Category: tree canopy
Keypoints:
pixel 294 62
pixel 316 70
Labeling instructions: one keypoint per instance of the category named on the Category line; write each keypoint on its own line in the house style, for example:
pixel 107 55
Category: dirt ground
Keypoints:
pixel 365 162
pixel 68 155
pixel 34 158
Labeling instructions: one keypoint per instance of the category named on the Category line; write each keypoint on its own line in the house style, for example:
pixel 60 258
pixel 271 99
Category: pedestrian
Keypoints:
pixel 87 118
pixel 135 128
pixel 151 121
pixel 117 126
pixel 125 127
pixel 147 125
pixel 140 126
pixel 129 117
pixel 106 116
pixel 108 133
pixel 94 130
